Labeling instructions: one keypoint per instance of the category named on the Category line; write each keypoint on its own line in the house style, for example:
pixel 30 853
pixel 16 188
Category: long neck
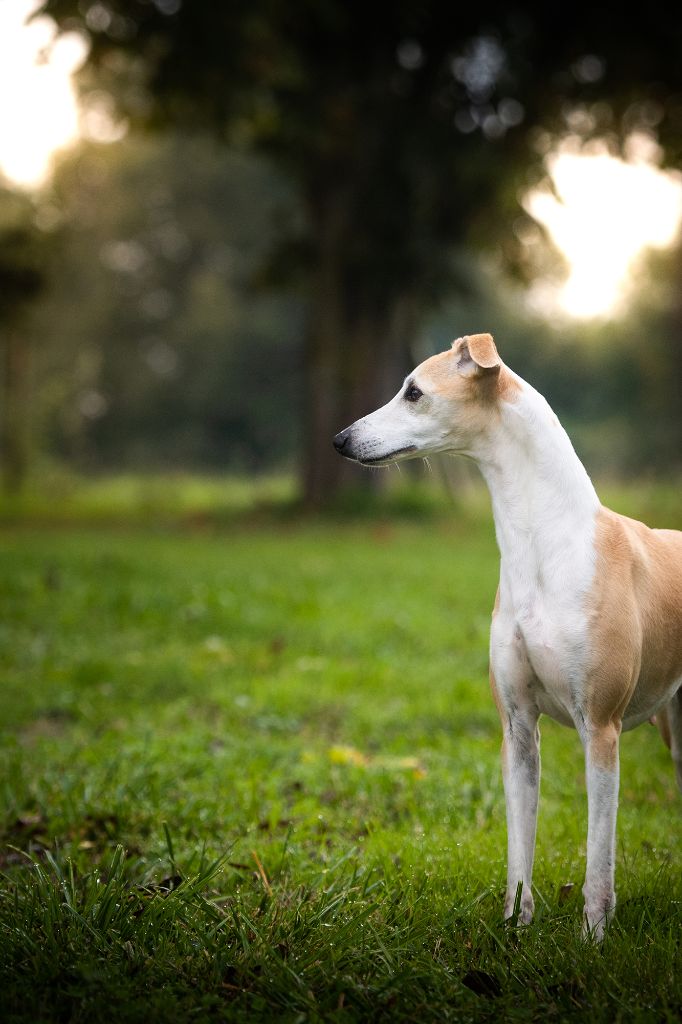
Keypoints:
pixel 544 503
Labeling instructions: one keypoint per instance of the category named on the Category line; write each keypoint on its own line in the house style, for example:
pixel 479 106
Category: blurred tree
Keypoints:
pixel 155 344
pixel 22 274
pixel 385 125
pixel 158 346
pixel 398 122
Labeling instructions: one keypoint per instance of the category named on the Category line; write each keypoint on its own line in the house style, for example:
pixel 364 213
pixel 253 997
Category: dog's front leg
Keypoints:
pixel 602 769
pixel 509 677
pixel 521 775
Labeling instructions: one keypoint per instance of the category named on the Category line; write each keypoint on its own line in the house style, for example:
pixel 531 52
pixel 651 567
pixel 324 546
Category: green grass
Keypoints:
pixel 57 496
pixel 252 774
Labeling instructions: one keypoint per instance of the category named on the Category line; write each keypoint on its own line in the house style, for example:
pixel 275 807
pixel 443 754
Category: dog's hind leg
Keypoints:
pixel 669 722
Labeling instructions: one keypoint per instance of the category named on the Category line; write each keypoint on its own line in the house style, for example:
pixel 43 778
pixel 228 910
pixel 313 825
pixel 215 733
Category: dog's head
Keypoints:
pixel 444 405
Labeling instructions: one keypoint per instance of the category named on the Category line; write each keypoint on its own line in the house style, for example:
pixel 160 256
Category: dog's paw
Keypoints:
pixel 597 916
pixel 519 907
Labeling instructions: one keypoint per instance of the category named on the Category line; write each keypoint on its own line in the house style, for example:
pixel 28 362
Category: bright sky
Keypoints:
pixel 603 212
pixel 38 108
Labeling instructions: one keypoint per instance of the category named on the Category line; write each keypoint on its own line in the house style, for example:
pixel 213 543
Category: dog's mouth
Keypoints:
pixel 386 460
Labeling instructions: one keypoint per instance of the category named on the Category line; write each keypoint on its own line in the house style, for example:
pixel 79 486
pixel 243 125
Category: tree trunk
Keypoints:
pixel 14 417
pixel 355 359
pixel 322 353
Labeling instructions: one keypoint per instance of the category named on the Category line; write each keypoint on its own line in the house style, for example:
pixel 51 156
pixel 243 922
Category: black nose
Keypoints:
pixel 341 440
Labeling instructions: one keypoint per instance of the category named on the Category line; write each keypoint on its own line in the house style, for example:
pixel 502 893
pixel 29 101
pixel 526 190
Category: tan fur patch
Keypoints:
pixel 635 615
pixel 662 722
pixel 603 747
pixel 439 374
pixel 482 350
pixel 509 388
pixel 496 696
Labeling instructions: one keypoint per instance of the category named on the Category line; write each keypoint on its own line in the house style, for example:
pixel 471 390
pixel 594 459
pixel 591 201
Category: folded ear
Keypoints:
pixel 477 355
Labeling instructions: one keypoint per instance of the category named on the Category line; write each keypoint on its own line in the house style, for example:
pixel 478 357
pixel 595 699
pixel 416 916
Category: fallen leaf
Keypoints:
pixel 347 755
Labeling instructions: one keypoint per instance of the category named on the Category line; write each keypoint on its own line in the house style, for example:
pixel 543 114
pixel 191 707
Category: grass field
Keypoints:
pixel 251 773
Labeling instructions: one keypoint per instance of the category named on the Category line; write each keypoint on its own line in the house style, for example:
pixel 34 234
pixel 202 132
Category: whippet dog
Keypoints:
pixel 587 623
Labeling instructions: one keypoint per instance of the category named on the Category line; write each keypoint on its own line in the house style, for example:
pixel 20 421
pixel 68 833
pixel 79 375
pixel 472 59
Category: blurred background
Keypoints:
pixel 229 229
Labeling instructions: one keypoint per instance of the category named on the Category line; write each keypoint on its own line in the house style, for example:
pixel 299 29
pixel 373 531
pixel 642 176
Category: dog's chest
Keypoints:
pixel 554 642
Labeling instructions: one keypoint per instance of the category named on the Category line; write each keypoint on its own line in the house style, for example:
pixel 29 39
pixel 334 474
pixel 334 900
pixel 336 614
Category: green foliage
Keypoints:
pixel 255 773
pixel 361 107
pixel 160 342
pixel 389 120
pixel 156 345
pixel 407 132
pixel 410 120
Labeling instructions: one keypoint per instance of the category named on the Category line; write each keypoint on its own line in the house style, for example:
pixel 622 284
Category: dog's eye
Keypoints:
pixel 412 393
